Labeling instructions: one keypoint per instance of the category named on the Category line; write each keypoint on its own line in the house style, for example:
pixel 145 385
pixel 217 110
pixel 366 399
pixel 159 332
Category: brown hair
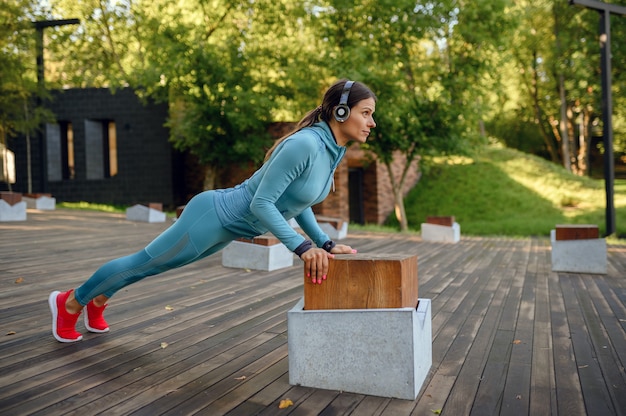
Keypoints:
pixel 324 112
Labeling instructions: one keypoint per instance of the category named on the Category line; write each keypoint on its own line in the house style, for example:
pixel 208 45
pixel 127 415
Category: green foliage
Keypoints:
pixel 229 68
pixel 517 132
pixel 505 192
pixel 15 87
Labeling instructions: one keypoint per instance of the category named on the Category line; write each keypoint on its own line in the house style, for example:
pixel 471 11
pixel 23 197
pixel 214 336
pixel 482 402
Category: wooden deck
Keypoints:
pixel 510 336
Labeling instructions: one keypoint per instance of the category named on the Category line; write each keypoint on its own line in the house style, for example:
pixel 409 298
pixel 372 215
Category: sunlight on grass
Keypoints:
pixel 502 191
pixel 453 160
pixel 574 193
pixel 88 206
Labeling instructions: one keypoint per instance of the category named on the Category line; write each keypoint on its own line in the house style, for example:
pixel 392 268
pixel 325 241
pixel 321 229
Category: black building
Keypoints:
pixel 105 147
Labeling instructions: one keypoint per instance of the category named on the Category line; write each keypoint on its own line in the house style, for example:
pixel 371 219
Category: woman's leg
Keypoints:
pixel 195 235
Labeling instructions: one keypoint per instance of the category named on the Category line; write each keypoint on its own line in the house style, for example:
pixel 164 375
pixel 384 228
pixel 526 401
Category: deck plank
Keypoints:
pixel 509 335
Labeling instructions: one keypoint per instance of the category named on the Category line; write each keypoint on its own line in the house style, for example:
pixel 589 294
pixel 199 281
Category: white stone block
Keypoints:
pixel 380 352
pixel 578 256
pixel 15 212
pixel 144 214
pixel 334 233
pixel 243 255
pixel 43 203
pixel 441 233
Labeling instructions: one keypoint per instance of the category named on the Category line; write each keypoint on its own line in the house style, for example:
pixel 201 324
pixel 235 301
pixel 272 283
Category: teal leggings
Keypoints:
pixel 197 234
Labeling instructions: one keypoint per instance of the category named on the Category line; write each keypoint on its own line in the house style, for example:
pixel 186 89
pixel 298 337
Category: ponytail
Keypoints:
pixel 308 120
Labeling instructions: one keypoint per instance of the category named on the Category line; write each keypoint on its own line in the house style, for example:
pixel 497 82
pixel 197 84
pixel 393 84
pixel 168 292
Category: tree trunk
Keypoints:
pixel 567 163
pixel 29 169
pixel 210 178
pixel 534 93
pixel 400 210
pixel 398 196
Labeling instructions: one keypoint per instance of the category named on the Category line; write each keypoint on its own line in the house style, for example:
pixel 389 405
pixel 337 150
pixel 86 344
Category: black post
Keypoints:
pixel 41 86
pixel 607 115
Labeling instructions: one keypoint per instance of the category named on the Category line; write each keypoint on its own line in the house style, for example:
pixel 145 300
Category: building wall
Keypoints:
pixel 145 156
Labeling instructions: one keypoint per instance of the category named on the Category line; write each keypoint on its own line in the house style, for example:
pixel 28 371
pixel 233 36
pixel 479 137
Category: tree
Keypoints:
pixel 556 56
pixel 227 68
pixel 19 113
pixel 427 61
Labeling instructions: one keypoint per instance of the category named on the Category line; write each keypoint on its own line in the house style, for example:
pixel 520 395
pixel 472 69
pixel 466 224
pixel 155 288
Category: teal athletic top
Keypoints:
pixel 298 175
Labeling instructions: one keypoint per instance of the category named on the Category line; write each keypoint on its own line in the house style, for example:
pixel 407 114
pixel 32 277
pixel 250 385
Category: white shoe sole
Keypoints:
pixel 52 301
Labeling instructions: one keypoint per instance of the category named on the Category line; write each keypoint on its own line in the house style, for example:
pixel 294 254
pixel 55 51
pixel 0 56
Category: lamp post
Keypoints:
pixel 39 27
pixel 605 11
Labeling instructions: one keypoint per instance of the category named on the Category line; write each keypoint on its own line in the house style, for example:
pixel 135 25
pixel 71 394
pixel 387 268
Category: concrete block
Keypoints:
pixel 144 214
pixel 248 255
pixel 15 212
pixel 441 233
pixel 336 228
pixel 578 256
pixel 380 352
pixel 42 202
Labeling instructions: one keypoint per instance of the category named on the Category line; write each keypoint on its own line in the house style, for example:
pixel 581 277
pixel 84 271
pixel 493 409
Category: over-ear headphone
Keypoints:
pixel 342 111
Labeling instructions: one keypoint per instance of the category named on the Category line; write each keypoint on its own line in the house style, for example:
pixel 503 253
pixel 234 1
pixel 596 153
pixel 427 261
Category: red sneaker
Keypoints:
pixel 94 321
pixel 63 322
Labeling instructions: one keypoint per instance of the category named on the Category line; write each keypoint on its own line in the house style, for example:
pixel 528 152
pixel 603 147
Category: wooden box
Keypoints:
pixel 365 281
pixel 447 221
pixel 157 206
pixel 262 240
pixel 11 198
pixel 576 232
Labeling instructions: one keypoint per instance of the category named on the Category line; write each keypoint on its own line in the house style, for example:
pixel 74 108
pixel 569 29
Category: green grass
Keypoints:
pixel 502 191
pixel 498 191
pixel 88 206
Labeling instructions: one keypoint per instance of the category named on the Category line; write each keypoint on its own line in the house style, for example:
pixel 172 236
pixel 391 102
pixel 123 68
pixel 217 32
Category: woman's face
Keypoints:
pixel 358 126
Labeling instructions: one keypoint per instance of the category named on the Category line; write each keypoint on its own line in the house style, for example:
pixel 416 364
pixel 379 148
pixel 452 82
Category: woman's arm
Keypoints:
pixel 286 165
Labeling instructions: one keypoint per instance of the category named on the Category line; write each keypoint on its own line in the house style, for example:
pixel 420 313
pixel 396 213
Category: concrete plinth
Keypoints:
pixel 441 233
pixel 336 228
pixel 15 212
pixel 43 202
pixel 243 255
pixel 578 256
pixel 144 214
pixel 380 352
pixel 334 233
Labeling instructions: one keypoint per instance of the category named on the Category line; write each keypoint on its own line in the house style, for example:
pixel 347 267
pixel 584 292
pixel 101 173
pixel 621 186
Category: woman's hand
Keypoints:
pixel 316 261
pixel 342 249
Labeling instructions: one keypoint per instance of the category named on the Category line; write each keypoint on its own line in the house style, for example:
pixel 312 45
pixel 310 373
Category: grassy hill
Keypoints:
pixel 502 191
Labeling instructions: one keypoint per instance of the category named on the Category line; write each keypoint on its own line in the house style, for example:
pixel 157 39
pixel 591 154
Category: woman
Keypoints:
pixel 297 174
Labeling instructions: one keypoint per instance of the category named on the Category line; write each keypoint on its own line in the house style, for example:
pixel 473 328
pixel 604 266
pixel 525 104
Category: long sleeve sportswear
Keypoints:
pixel 298 175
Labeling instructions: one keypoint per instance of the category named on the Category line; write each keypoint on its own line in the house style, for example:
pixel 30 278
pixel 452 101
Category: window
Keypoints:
pixel 101 149
pixel 60 151
pixel 67 151
pixel 112 149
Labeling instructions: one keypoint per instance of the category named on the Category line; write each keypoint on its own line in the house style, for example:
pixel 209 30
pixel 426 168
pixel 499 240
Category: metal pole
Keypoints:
pixel 41 86
pixel 607 116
